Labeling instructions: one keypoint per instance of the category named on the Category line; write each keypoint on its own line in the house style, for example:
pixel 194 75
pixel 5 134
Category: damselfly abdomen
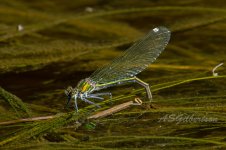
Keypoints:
pixel 123 69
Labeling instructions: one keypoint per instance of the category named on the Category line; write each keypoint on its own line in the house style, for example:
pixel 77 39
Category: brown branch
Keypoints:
pixel 26 120
pixel 101 114
pixel 112 110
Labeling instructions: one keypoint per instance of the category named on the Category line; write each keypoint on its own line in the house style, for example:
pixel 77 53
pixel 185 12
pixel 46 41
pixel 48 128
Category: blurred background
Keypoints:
pixel 46 45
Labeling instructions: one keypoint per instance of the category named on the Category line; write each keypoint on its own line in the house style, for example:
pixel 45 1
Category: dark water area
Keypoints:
pixel 25 84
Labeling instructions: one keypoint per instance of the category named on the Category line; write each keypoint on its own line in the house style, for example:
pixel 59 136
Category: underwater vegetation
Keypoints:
pixel 47 45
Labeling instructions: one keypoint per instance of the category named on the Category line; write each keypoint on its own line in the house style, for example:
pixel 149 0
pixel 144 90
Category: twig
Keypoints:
pixel 101 114
pixel 26 120
pixel 112 110
pixel 214 73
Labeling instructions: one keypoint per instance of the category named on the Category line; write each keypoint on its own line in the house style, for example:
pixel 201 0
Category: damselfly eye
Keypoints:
pixel 68 91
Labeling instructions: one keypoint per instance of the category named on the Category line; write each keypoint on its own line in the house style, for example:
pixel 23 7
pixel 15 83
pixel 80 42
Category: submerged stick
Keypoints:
pixel 112 110
pixel 26 120
pixel 101 114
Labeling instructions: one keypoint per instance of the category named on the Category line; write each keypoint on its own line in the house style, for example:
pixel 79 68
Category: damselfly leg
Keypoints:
pixel 145 85
pixel 129 80
pixel 68 92
pixel 95 97
pixel 76 105
pixel 100 94
pixel 68 101
pixel 90 102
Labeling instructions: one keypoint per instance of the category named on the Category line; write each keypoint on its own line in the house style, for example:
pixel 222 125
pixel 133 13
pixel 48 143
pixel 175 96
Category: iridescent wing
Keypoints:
pixel 135 59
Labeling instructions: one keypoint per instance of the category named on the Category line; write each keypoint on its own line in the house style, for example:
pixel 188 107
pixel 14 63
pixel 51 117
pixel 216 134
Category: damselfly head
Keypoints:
pixel 70 92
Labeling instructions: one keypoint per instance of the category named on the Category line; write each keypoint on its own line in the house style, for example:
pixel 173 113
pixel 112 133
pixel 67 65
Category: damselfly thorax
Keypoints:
pixel 122 70
pixel 83 91
pixel 86 86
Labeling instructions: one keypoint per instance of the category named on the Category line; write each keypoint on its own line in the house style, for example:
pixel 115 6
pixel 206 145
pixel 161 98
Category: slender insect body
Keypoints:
pixel 123 69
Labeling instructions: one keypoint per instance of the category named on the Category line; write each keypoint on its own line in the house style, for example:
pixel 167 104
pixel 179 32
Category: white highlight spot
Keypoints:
pixel 156 29
pixel 20 27
pixel 89 9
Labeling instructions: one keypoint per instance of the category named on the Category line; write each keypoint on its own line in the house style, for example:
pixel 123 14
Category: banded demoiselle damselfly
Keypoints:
pixel 123 69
